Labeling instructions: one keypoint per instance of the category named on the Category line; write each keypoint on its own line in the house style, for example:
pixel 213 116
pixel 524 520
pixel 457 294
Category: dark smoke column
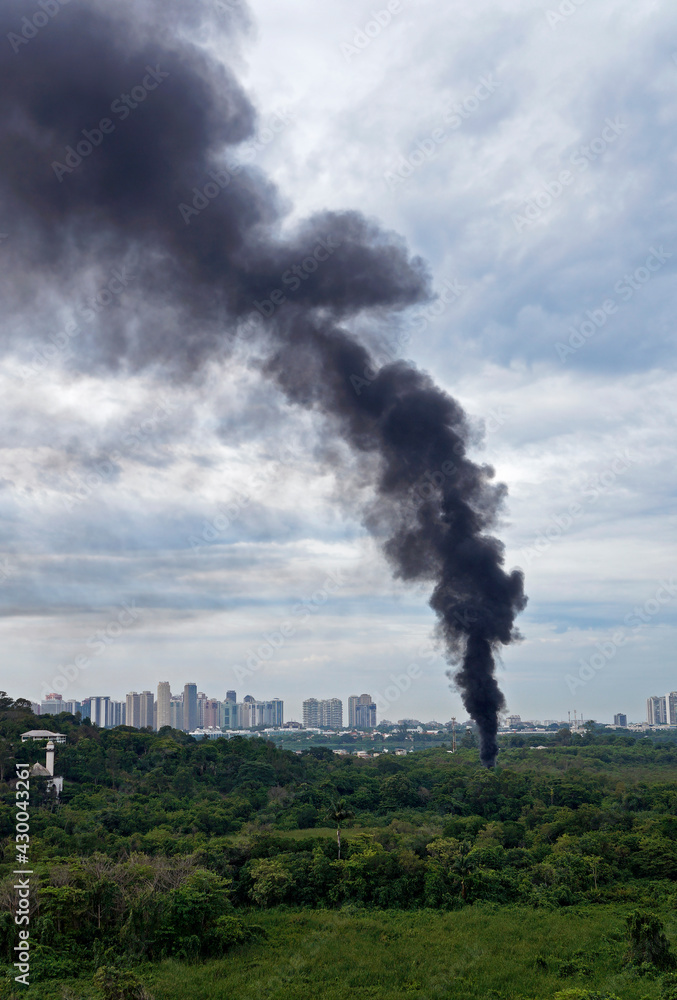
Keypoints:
pixel 119 134
pixel 433 506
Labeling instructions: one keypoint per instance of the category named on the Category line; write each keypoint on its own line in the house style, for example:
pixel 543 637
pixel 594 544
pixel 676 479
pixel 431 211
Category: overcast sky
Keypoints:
pixel 527 152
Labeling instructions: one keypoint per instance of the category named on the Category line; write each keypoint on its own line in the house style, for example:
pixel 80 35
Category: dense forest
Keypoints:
pixel 165 847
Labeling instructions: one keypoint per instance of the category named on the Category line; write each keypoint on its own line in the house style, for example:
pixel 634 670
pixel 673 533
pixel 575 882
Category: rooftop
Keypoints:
pixel 42 734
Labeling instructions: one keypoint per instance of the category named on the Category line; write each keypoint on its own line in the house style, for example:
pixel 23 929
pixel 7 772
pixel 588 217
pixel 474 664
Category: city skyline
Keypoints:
pixel 317 712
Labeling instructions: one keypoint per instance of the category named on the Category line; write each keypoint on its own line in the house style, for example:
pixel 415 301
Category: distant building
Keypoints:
pixel 52 705
pixel 361 712
pixel 164 701
pixel 117 714
pixel 323 714
pixel 146 709
pixel 99 711
pixel 42 734
pixel 365 713
pixel 231 696
pixel 102 711
pixel 133 710
pixel 513 720
pixel 190 707
pixel 311 712
pixel 671 708
pixel 656 711
pixel 211 714
pixel 229 716
pixel 253 714
pixel 352 705
pixel 621 720
pixel 176 711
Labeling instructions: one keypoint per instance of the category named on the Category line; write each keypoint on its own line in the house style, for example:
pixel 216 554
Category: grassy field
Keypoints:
pixel 474 954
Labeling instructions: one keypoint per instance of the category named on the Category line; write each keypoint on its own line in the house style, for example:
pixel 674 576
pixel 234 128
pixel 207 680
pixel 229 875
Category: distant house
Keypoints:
pixel 42 734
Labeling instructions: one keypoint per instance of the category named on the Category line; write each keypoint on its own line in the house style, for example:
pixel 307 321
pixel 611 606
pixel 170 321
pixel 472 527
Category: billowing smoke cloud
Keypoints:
pixel 119 133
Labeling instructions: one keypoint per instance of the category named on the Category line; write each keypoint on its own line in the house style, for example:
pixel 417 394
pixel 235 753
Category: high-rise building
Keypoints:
pixel 52 705
pixel 190 707
pixel 71 706
pixel 117 714
pixel 100 711
pixel 231 696
pixel 671 708
pixel 327 713
pixel 176 711
pixel 311 713
pixel 361 712
pixel 252 714
pixel 146 706
pixel 229 715
pixel 276 712
pixel 656 710
pixel 133 705
pixel 621 720
pixel 211 714
pixel 352 705
pixel 164 700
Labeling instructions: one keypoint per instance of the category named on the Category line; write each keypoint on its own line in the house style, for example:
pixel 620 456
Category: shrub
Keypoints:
pixel 118 984
pixel 648 944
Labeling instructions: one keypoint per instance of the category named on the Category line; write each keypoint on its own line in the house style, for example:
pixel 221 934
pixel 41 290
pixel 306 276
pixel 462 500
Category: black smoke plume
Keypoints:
pixel 118 135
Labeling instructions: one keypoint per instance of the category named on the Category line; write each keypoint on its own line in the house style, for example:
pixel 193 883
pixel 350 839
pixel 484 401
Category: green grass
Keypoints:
pixel 473 954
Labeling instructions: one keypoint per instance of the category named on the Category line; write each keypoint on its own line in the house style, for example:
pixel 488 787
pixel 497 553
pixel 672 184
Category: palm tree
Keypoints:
pixel 339 811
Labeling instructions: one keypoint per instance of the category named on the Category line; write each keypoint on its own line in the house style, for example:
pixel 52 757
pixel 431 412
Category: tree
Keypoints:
pixel 270 881
pixel 339 812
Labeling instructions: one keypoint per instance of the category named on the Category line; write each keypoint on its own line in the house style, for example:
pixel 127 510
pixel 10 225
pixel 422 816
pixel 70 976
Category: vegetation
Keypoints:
pixel 552 875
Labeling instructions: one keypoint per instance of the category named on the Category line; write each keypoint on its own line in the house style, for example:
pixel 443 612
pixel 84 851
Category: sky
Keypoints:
pixel 206 529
